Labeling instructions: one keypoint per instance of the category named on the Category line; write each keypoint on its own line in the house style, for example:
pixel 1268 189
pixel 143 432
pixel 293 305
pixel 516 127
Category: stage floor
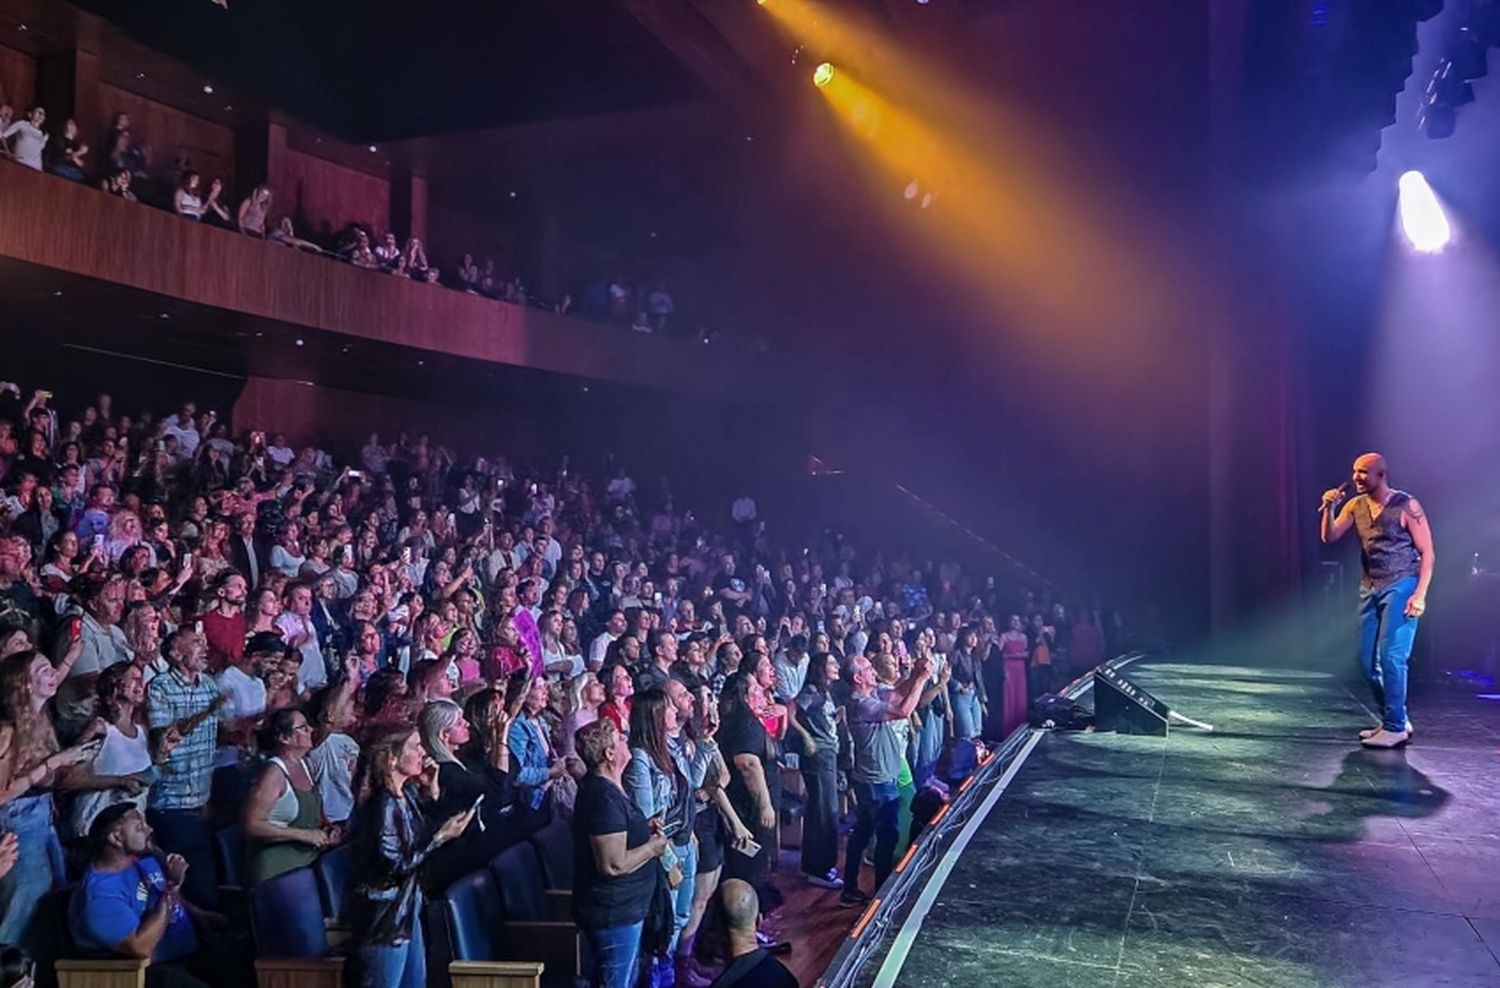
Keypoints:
pixel 1274 851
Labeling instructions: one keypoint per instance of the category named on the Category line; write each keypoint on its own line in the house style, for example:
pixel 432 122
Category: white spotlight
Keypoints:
pixel 1422 218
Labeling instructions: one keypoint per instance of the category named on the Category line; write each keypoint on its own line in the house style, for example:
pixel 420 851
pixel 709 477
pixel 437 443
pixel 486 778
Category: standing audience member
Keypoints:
pixel 183 702
pixel 817 719
pixel 391 841
pixel 31 763
pixel 26 139
pixel 283 819
pixel 873 712
pixel 615 852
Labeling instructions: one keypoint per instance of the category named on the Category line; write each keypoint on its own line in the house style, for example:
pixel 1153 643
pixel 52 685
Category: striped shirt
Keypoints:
pixel 187 775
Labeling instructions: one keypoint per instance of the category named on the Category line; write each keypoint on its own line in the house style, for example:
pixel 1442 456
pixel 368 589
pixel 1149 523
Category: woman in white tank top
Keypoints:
pixel 122 767
pixel 284 826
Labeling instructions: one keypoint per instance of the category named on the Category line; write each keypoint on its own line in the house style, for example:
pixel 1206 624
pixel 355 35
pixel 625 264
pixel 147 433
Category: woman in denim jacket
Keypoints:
pixel 665 769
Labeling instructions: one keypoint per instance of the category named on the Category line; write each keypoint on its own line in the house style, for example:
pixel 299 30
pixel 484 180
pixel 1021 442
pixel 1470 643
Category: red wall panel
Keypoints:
pixel 317 192
pixel 169 134
pixel 17 79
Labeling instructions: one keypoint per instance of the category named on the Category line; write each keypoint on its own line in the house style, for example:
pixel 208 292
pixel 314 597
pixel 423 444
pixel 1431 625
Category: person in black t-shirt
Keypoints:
pixel 750 966
pixel 614 857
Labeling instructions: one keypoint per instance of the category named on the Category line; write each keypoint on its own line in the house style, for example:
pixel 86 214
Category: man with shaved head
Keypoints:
pixel 750 966
pixel 1395 551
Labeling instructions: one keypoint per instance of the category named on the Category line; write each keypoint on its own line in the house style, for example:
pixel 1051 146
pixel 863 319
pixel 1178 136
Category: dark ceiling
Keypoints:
pixel 385 69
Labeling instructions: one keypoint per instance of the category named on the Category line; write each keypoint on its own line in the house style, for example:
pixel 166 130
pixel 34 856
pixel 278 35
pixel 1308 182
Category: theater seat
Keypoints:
pixel 291 941
pixel 56 947
pixel 538 920
pixel 229 849
pixel 554 845
pixel 474 919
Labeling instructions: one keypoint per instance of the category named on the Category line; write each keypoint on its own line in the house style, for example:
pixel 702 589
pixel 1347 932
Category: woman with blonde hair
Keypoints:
pixel 32 764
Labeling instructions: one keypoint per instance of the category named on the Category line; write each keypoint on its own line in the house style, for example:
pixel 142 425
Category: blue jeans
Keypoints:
pixel 929 745
pixel 967 719
pixel 617 954
pixel 22 890
pixel 402 965
pixel 1385 637
pixel 877 807
pixel 682 896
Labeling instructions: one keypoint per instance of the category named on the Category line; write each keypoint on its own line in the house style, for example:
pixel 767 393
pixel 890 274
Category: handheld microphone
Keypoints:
pixel 1343 490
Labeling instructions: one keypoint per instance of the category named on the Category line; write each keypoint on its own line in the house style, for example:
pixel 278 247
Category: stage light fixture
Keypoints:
pixel 823 74
pixel 1422 217
pixel 1470 55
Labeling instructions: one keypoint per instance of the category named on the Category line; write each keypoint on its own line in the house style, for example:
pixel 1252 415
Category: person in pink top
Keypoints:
pixel 1015 700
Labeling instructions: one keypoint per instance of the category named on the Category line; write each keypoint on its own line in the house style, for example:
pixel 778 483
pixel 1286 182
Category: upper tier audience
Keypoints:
pixel 126 170
pixel 421 660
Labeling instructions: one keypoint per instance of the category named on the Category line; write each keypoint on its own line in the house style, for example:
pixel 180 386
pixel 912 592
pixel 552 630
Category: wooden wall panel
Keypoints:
pixel 170 135
pixel 342 420
pixel 17 79
pixel 79 229
pixel 318 193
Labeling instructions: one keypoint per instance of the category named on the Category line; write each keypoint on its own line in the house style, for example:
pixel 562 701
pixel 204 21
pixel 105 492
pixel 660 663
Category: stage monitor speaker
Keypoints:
pixel 1122 706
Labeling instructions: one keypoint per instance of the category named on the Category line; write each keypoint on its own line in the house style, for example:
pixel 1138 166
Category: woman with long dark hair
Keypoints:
pixel 743 741
pixel 391 841
pixel 660 789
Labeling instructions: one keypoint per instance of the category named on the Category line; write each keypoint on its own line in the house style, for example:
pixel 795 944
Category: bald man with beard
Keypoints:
pixel 1397 558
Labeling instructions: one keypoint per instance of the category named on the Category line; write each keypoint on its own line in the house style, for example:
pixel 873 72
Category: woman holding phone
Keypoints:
pixel 391 841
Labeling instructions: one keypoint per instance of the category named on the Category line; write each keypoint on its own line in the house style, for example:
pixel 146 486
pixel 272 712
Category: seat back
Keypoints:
pixel 229 848
pixel 286 916
pixel 332 872
pixel 518 873
pixel 475 917
pixel 554 845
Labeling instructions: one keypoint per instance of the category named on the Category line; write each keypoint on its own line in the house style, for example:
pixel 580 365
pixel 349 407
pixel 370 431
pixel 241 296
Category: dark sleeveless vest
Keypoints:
pixel 1385 548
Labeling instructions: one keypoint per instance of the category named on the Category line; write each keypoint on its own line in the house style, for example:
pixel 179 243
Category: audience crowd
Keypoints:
pixel 125 169
pixel 418 659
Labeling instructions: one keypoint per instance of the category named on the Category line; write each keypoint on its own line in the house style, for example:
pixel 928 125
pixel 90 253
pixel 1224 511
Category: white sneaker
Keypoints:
pixel 828 881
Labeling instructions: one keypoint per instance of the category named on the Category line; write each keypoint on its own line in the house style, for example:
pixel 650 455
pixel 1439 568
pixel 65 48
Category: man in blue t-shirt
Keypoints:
pixel 127 903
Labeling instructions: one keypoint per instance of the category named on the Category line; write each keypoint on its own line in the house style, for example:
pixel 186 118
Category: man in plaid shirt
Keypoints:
pixel 182 701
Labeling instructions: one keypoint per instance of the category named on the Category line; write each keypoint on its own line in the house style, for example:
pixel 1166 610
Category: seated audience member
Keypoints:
pixel 388 253
pixel 185 201
pixel 7 114
pixel 26 139
pixel 252 214
pixel 283 819
pixel 360 255
pixel 390 842
pixel 285 233
pixel 615 852
pixel 117 183
pixel 414 262
pixel 750 966
pixel 129 903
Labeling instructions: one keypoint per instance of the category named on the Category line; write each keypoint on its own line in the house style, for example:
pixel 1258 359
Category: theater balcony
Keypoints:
pixel 66 246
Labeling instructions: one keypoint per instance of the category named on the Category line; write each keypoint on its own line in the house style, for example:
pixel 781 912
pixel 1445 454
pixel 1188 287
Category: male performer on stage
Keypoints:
pixel 1395 549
